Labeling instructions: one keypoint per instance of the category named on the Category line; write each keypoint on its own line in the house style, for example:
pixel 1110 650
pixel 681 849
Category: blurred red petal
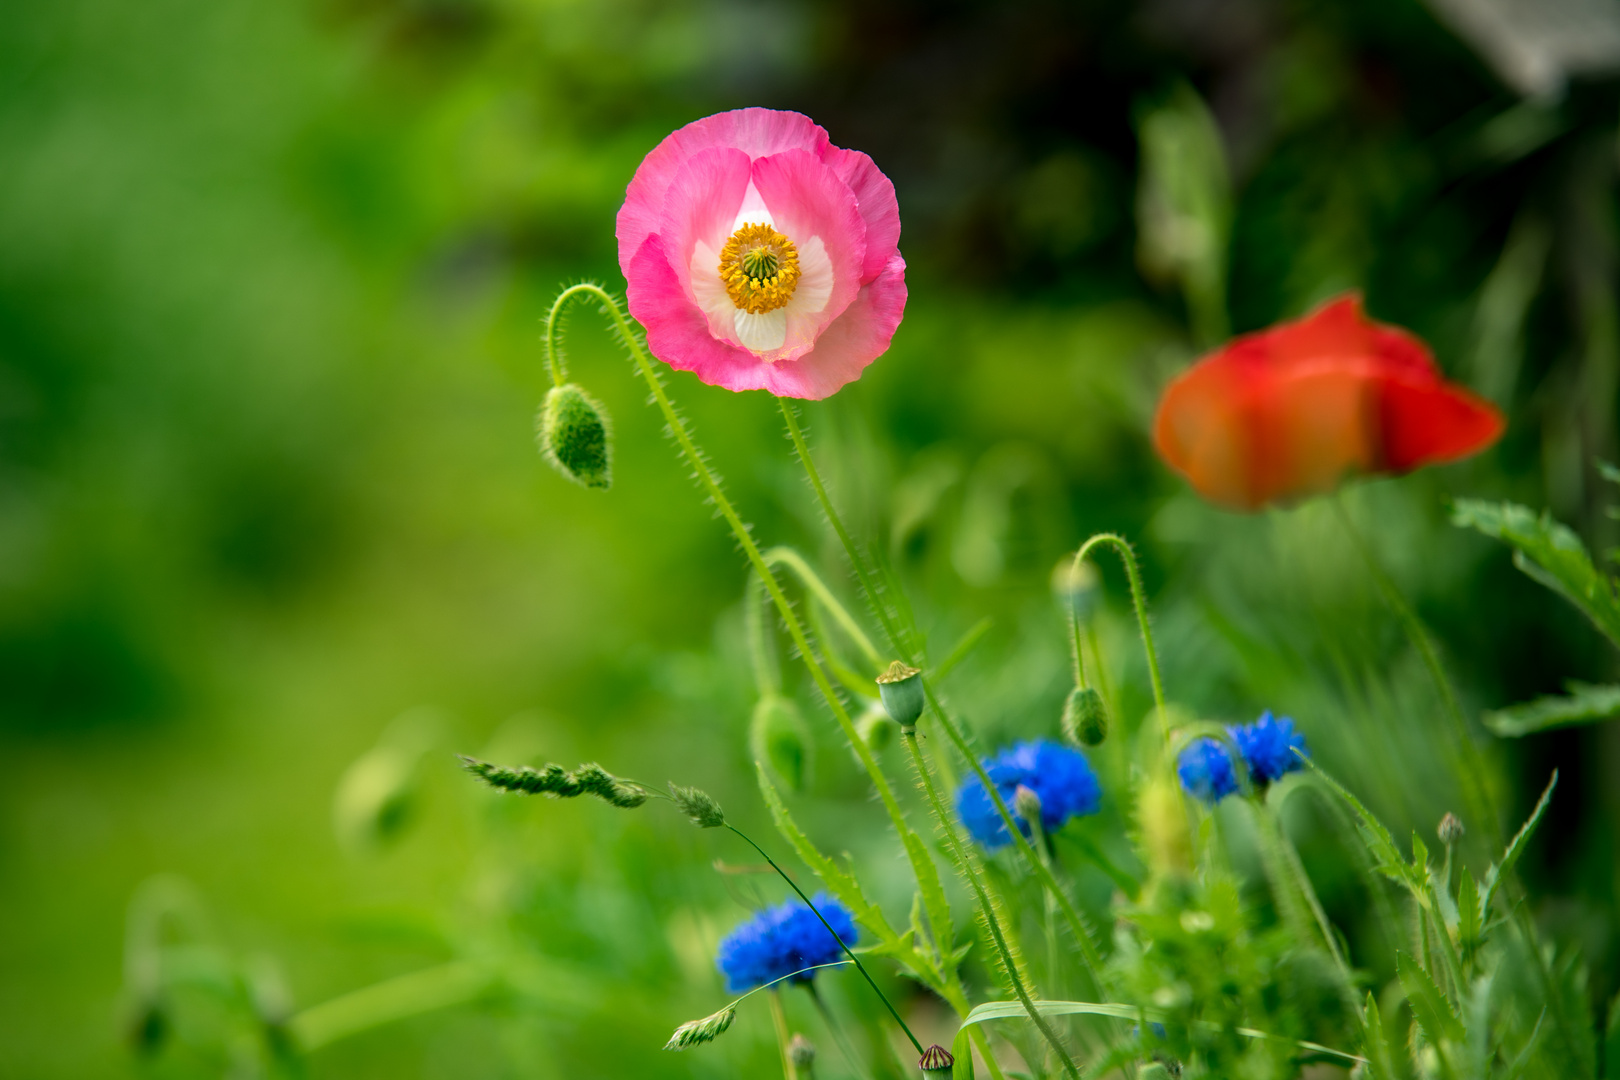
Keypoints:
pixel 1292 411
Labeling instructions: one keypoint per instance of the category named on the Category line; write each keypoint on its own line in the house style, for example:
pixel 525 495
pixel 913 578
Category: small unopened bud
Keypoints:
pixel 801 1051
pixel 779 737
pixel 876 728
pixel 1162 819
pixel 936 1059
pixel 902 691
pixel 574 436
pixel 1027 804
pixel 699 806
pixel 1085 717
pixel 1075 588
pixel 1451 829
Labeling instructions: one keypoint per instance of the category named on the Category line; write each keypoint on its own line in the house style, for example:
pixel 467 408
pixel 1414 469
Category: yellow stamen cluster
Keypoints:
pixel 760 268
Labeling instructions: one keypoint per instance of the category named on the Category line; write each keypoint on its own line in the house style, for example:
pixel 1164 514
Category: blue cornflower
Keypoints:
pixel 783 939
pixel 1060 776
pixel 1205 768
pixel 1267 746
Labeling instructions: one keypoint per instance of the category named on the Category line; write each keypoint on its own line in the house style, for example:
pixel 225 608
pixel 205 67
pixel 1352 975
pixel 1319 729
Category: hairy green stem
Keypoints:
pixel 992 922
pixel 786 556
pixel 1077 925
pixel 1139 601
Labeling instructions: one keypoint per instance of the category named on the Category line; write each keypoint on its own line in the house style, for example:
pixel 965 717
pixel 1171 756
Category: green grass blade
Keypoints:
pixel 1584 704
pixel 1494 876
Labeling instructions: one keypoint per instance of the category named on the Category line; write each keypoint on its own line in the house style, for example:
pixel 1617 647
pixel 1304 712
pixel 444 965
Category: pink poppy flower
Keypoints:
pixel 760 256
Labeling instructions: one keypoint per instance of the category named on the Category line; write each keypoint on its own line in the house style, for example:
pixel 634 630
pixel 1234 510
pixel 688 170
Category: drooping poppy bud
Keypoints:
pixel 1292 411
pixel 779 737
pixel 1085 717
pixel 876 728
pixel 574 437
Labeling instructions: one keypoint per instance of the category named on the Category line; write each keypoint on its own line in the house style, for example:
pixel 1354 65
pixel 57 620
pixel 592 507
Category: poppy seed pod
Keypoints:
pixel 1085 717
pixel 902 691
pixel 574 437
pixel 936 1059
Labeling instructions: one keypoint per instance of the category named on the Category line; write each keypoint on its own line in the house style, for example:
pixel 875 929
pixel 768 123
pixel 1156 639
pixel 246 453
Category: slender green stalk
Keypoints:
pixel 399 998
pixel 1473 765
pixel 779 1021
pixel 1077 925
pixel 837 1031
pixel 1289 884
pixel 873 597
pixel 786 556
pixel 767 676
pixel 992 922
pixel 847 951
pixel 1139 601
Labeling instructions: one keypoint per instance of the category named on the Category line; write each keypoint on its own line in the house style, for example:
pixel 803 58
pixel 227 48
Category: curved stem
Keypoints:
pixel 841 944
pixel 1139 601
pixel 873 597
pixel 786 556
pixel 399 998
pixel 767 676
pixel 992 922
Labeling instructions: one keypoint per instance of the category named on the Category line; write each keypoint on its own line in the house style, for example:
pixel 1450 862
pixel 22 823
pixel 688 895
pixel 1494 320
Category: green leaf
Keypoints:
pixel 1429 1006
pixel 1494 876
pixel 841 882
pixel 1550 553
pixel 932 890
pixel 962 1050
pixel 1470 919
pixel 1387 858
pixel 1013 1010
pixel 1380 1062
pixel 1586 704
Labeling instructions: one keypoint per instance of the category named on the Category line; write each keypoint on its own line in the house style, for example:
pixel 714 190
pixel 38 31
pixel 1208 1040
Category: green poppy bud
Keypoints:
pixel 875 728
pixel 802 1052
pixel 574 433
pixel 1027 803
pixel 902 691
pixel 779 737
pixel 1085 717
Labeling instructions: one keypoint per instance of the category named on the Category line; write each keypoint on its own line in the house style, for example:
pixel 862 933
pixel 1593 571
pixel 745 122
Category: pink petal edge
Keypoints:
pixel 854 340
pixel 756 132
pixel 874 192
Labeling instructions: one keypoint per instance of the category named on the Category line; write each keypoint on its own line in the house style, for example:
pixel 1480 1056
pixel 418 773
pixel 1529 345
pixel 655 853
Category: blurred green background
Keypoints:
pixel 271 277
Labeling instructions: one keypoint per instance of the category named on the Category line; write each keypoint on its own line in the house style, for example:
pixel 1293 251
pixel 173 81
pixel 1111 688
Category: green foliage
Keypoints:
pixel 574 436
pixel 699 806
pixel 1551 554
pixel 1585 704
pixel 697 1032
pixel 558 783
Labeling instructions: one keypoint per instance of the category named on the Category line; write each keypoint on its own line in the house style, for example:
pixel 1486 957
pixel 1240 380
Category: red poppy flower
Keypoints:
pixel 1293 410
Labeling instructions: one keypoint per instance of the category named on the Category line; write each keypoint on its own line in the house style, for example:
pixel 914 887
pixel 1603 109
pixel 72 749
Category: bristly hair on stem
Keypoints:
pixel 558 782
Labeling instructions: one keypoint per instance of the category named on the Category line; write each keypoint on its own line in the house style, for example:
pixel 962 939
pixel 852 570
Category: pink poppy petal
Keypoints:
pixel 756 132
pixel 677 332
pixel 858 336
pixel 808 200
pixel 702 200
pixel 874 192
